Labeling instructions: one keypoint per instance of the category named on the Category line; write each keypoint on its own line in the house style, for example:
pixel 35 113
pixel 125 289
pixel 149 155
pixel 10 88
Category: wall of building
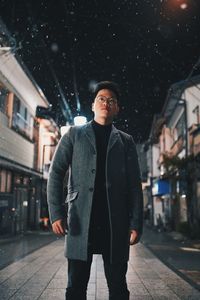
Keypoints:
pixel 155 157
pixel 192 96
pixel 13 146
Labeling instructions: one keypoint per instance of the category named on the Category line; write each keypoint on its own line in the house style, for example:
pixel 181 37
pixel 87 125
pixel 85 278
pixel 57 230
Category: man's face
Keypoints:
pixel 105 105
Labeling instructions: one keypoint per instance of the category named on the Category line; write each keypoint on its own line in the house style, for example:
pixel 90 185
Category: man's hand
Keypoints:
pixel 59 227
pixel 133 236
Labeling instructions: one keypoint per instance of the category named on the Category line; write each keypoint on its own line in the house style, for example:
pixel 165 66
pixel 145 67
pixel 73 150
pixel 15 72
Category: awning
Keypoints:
pixel 11 165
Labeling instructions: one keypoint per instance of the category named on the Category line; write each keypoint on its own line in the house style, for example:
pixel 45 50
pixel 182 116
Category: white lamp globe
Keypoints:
pixel 80 120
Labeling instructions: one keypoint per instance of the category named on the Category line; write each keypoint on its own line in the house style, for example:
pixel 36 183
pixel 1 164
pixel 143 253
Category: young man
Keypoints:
pixel 105 202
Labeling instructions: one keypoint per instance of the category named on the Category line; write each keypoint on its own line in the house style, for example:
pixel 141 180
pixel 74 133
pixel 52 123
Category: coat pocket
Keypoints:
pixel 71 196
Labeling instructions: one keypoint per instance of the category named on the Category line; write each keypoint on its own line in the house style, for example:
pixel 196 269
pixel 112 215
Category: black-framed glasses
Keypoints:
pixel 109 101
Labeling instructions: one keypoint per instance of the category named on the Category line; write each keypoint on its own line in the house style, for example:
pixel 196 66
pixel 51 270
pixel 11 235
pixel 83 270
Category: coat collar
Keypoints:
pixel 114 135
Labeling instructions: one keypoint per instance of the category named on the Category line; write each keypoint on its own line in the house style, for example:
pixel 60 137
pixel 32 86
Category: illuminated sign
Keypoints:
pixel 160 187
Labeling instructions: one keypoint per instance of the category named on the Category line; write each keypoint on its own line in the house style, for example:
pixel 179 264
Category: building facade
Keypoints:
pixel 176 136
pixel 25 148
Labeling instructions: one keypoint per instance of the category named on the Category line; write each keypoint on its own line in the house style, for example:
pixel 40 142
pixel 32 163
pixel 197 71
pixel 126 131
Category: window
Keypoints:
pixel 9 182
pixel 3 99
pixel 17 179
pixel 179 130
pixel 20 179
pixel 5 181
pixel 25 113
pixel 26 180
pixel 22 119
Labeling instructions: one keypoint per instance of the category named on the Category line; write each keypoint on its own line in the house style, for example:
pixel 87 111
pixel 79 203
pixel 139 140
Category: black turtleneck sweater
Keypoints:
pixel 99 239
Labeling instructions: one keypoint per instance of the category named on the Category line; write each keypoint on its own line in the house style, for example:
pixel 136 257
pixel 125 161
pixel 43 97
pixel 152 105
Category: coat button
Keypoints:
pixel 93 171
pixel 91 189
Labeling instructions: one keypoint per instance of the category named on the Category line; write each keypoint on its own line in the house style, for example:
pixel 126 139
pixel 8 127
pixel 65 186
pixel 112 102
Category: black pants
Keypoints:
pixel 79 274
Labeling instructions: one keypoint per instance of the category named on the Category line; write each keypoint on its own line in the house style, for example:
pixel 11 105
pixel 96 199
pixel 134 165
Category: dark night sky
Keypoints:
pixel 145 46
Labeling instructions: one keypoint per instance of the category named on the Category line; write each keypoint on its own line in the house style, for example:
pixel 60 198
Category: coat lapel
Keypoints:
pixel 89 132
pixel 114 136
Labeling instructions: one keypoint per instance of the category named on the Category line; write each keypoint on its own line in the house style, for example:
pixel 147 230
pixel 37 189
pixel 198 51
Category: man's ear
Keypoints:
pixel 92 106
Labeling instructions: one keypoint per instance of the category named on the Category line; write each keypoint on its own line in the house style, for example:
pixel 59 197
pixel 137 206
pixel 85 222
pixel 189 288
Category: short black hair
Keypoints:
pixel 109 85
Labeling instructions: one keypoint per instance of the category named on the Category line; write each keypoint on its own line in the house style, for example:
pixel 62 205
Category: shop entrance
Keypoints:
pixel 21 201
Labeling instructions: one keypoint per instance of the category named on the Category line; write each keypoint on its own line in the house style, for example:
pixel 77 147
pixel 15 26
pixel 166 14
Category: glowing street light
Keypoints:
pixel 80 120
pixel 178 4
pixel 183 6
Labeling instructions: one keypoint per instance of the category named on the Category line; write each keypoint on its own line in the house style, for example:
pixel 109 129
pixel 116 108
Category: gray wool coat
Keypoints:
pixel 76 153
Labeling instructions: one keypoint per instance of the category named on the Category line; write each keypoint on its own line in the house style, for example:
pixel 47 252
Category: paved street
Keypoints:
pixel 42 275
pixel 179 253
pixel 16 247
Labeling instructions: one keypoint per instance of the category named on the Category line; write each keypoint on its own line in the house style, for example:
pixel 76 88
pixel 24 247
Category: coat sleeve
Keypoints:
pixel 59 166
pixel 135 189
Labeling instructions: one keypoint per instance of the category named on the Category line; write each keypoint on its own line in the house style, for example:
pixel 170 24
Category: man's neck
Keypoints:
pixel 103 121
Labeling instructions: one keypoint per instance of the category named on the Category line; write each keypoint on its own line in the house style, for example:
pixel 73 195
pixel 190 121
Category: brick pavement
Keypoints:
pixel 42 275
